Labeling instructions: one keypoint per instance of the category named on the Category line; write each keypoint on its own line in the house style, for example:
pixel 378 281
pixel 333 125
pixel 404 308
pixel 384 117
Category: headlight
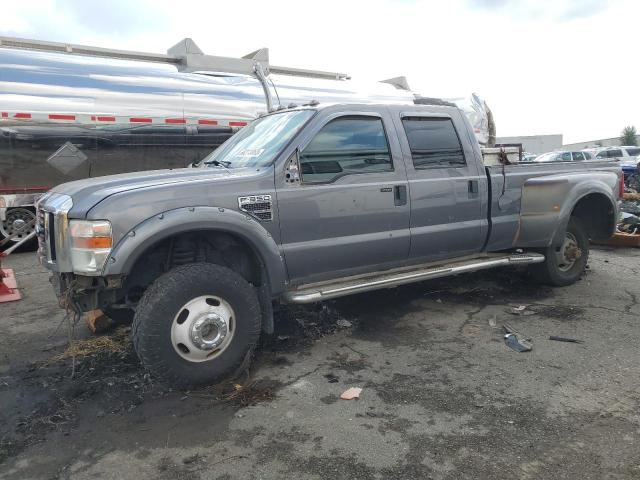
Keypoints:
pixel 91 243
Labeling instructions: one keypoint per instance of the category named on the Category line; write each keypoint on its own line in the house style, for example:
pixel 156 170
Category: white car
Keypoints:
pixel 563 156
pixel 627 155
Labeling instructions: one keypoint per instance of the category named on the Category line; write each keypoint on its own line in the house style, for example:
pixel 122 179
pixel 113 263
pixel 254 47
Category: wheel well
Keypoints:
pixel 218 247
pixel 596 214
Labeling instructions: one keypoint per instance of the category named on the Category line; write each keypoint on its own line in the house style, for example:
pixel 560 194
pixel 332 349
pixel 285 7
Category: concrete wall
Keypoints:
pixel 604 142
pixel 535 143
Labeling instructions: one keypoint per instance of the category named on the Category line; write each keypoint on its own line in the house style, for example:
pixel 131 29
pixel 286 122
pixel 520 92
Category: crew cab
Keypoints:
pixel 306 204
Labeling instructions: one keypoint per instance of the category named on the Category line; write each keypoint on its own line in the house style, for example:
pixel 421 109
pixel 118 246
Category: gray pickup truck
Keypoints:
pixel 303 205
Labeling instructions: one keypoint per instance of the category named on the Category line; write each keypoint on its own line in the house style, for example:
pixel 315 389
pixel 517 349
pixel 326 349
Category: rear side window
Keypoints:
pixel 610 154
pixel 433 142
pixel 346 146
pixel 633 152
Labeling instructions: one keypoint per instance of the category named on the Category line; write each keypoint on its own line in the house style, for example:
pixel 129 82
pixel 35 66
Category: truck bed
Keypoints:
pixel 506 192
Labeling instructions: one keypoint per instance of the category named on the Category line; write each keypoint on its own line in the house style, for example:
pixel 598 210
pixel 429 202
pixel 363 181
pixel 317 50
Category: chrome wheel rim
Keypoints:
pixel 203 328
pixel 568 253
pixel 16 222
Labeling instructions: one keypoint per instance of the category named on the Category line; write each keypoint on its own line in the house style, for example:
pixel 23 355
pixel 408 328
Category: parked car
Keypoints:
pixel 563 156
pixel 303 205
pixel 625 153
pixel 628 156
pixel 528 157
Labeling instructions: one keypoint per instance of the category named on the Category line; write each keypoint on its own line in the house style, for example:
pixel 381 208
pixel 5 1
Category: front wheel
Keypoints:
pixel 565 263
pixel 196 324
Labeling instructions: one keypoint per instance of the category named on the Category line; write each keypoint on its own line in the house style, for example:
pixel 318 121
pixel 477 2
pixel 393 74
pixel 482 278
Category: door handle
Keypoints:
pixel 400 195
pixel 473 188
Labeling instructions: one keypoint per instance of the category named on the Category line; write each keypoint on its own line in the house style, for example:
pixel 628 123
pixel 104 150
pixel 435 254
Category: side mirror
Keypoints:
pixel 292 171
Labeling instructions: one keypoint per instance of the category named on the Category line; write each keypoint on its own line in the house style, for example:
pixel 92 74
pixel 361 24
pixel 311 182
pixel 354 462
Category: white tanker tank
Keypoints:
pixel 69 111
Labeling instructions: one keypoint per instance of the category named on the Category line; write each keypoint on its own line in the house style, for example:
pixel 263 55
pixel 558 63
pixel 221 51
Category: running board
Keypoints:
pixel 389 280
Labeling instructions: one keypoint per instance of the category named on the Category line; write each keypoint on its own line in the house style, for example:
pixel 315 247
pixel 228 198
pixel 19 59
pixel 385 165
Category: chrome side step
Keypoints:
pixel 310 294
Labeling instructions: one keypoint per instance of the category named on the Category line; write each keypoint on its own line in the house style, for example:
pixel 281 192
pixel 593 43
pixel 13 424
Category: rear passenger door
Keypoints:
pixel 447 188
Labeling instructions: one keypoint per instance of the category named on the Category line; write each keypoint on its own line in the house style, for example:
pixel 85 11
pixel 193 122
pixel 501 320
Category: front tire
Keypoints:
pixel 564 264
pixel 196 324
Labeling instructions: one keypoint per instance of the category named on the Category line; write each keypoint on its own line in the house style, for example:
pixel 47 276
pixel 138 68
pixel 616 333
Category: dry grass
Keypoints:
pixel 117 342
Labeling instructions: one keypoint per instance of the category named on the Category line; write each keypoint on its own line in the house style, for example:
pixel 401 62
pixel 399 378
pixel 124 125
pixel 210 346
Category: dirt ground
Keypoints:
pixel 443 396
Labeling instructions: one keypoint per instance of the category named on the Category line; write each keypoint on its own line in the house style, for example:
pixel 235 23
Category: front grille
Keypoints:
pixel 40 233
pixel 257 205
pixel 50 231
pixel 45 232
pixel 51 224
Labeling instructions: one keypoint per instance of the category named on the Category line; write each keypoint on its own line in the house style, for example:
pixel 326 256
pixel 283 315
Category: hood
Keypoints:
pixel 89 192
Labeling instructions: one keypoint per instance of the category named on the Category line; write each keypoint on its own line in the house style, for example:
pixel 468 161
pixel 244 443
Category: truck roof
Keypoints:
pixel 427 107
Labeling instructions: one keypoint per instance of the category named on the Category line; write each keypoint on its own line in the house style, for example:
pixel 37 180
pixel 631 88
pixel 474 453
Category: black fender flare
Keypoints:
pixel 181 220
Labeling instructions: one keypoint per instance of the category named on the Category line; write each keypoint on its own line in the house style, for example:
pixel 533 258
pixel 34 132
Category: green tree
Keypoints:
pixel 628 136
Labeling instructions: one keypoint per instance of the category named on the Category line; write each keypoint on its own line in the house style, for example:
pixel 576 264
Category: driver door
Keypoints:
pixel 350 212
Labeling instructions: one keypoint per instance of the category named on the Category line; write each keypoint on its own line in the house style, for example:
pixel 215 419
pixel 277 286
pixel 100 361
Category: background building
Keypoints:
pixel 535 143
pixel 605 142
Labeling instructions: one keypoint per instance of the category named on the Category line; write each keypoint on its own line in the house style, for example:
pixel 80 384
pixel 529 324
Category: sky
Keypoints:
pixel 543 66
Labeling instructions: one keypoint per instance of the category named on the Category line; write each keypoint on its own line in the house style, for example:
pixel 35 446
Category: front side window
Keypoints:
pixel 346 146
pixel 433 142
pixel 577 156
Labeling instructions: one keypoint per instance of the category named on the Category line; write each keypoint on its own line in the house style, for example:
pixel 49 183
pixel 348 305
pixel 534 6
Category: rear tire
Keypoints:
pixel 196 325
pixel 564 264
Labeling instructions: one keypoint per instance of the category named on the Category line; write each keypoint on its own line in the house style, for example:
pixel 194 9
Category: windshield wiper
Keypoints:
pixel 219 163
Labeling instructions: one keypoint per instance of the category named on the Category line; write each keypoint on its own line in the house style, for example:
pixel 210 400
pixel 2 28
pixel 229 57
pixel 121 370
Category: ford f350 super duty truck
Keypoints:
pixel 307 204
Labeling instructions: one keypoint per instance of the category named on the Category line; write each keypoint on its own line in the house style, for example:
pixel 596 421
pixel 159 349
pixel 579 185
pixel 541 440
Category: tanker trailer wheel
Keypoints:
pixel 196 324
pixel 16 223
pixel 564 263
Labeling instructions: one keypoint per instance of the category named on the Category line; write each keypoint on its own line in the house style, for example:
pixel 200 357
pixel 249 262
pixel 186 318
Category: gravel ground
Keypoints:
pixel 443 397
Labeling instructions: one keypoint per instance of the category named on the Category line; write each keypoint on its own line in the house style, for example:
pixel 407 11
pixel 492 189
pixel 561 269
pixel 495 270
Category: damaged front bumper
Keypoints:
pixel 83 293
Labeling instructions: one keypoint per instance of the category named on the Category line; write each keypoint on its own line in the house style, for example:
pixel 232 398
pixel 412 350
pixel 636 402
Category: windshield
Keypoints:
pixel 547 157
pixel 257 144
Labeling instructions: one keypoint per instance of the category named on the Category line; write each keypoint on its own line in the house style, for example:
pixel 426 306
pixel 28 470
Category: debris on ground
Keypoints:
pixel 628 229
pixel 118 342
pixel 98 322
pixel 629 223
pixel 515 341
pixel 344 323
pixel 565 339
pixel 351 393
pixel 520 310
pixel 332 378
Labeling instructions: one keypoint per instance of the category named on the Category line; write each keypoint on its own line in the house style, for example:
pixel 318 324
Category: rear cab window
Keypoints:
pixel 346 146
pixel 433 142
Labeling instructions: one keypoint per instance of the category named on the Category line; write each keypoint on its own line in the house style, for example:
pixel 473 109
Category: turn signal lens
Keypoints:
pixel 93 242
